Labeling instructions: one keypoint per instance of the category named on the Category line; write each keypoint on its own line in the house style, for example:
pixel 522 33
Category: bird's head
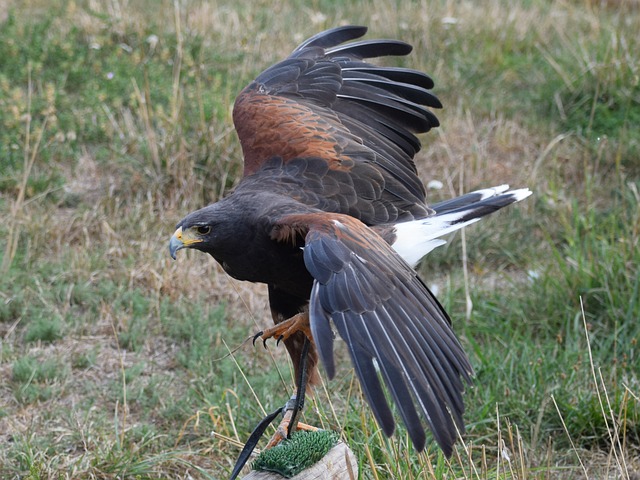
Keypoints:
pixel 197 230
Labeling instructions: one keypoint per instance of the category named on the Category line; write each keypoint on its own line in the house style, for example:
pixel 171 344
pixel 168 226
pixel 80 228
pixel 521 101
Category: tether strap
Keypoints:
pixel 301 386
pixel 253 441
pixel 298 404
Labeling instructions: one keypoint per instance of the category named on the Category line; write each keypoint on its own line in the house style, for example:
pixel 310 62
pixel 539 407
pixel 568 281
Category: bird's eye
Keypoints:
pixel 203 229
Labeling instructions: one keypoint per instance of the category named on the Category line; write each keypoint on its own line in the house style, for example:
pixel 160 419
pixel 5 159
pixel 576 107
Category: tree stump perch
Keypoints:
pixel 339 464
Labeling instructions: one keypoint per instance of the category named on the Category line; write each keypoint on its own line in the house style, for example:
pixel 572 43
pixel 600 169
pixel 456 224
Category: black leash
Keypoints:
pixel 253 441
pixel 301 386
pixel 298 403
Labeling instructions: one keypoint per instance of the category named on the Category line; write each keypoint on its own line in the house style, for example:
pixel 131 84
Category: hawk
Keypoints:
pixel 330 214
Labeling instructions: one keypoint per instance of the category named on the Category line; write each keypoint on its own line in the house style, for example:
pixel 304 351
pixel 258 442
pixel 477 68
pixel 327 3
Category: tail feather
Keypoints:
pixel 468 199
pixel 416 238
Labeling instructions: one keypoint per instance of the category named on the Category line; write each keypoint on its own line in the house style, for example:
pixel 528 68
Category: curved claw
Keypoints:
pixel 256 336
pixel 280 338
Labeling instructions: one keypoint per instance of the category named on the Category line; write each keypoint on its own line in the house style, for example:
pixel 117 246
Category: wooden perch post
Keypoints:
pixel 339 464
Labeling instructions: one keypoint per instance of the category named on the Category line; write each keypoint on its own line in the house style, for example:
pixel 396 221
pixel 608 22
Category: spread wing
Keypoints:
pixel 353 121
pixel 390 322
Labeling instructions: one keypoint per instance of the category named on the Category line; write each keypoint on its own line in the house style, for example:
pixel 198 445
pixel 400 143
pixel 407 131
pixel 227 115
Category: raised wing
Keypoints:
pixel 390 321
pixel 325 102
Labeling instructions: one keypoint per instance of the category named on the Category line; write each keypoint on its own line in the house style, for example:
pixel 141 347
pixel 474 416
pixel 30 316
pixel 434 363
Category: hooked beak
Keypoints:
pixel 176 243
pixel 181 240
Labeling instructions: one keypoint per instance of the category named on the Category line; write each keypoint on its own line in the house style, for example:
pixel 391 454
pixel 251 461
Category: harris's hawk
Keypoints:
pixel 332 216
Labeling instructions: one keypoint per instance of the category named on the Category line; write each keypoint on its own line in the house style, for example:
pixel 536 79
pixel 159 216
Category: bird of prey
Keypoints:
pixel 331 215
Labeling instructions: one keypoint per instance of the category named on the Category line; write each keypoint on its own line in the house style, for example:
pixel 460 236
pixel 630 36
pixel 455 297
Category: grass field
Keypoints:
pixel 116 362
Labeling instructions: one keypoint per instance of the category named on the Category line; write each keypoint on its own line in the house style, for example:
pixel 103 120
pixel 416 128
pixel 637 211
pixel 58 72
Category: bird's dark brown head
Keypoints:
pixel 199 230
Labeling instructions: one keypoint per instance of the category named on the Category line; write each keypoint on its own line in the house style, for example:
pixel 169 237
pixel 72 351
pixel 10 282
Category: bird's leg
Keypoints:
pixel 284 430
pixel 283 330
pixel 293 407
